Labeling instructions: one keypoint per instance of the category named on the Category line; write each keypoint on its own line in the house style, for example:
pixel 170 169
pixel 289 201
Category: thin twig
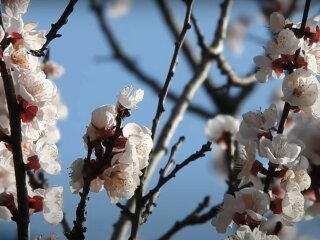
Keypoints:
pixel 188 92
pixel 200 37
pixel 163 173
pixel 217 98
pixel 55 27
pixel 164 179
pixel 193 218
pixel 173 64
pixel 15 140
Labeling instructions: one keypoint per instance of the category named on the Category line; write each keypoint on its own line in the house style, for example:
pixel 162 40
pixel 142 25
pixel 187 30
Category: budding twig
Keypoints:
pixel 193 218
pixel 163 173
pixel 164 179
pixel 55 27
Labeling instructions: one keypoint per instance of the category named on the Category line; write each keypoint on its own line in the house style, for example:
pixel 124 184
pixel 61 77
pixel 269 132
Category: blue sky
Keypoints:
pixel 89 83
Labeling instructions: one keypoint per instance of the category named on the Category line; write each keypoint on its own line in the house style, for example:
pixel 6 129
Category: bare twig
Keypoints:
pixel 55 27
pixel 15 140
pixel 173 64
pixel 193 218
pixel 201 40
pixel 163 173
pixel 163 179
pixel 188 92
pixel 217 98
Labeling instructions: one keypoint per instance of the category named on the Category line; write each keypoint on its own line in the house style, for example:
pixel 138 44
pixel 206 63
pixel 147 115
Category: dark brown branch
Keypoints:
pixel 55 27
pixel 15 140
pixel 130 65
pixel 78 229
pixel 164 179
pixel 217 98
pixel 193 219
pixel 173 64
pixel 163 173
pixel 125 210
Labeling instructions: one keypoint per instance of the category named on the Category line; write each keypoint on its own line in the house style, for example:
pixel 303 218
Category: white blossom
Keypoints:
pixel 52 205
pixel 265 69
pixel 120 182
pixel 292 204
pixel 35 88
pixel 130 98
pixel 280 150
pixel 256 124
pixel 104 117
pixel 244 232
pixel 249 158
pixel 76 175
pixel 287 42
pixel 220 125
pixel 17 7
pixel 140 138
pixel 250 201
pixel 48 156
pixel 277 22
pixel 300 89
pixel 53 70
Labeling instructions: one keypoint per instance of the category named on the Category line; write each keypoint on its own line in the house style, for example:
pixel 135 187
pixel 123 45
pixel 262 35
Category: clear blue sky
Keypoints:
pixel 88 84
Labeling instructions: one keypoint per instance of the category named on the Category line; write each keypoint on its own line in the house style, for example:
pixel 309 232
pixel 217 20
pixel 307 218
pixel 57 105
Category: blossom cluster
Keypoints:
pixel 275 167
pixel 40 108
pixel 121 152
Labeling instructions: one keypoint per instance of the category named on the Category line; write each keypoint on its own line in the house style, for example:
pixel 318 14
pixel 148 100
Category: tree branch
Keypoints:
pixel 55 27
pixel 15 140
pixel 216 97
pixel 78 229
pixel 165 178
pixel 173 64
pixel 150 202
pixel 193 218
